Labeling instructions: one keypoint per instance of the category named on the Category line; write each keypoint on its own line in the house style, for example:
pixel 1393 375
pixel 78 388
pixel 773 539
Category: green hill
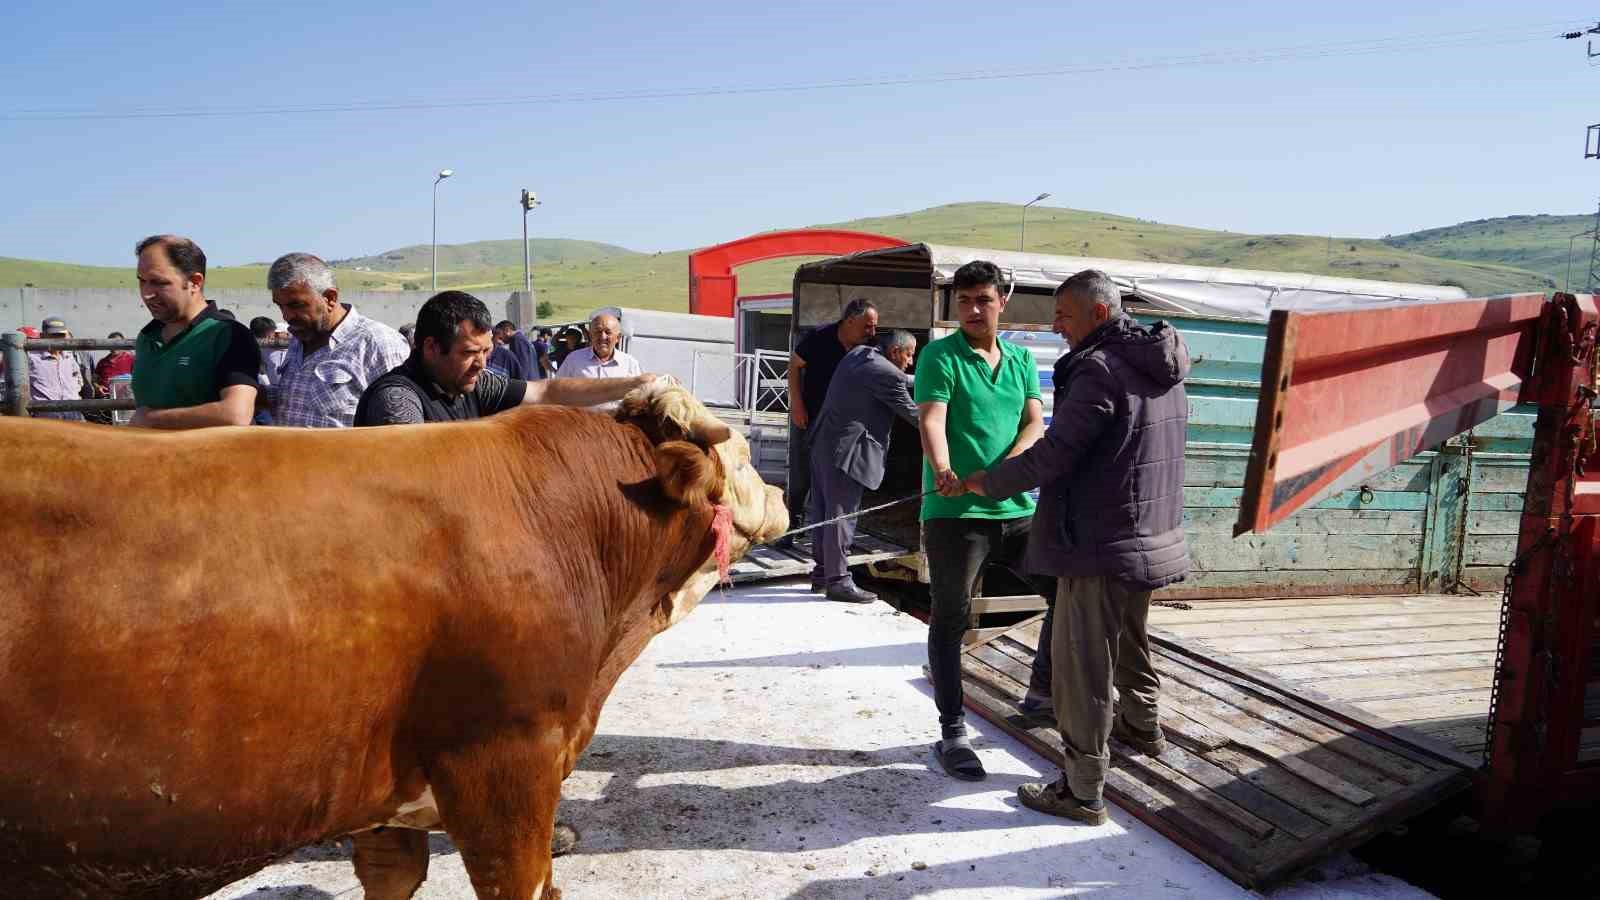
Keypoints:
pixel 577 276
pixel 483 255
pixel 1537 243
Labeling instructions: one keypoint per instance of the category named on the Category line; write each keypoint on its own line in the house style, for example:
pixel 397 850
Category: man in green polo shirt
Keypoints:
pixel 191 367
pixel 980 403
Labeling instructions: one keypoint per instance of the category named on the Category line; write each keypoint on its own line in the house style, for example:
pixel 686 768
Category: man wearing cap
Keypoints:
pixel 55 374
pixel 191 367
pixel 445 379
pixel 334 352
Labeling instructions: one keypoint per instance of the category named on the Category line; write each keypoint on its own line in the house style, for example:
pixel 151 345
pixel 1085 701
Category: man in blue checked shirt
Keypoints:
pixel 334 351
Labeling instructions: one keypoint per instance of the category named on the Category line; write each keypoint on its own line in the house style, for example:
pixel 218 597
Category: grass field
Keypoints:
pixel 577 276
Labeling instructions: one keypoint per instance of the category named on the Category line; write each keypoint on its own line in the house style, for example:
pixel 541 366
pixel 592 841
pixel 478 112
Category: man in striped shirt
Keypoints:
pixel 334 352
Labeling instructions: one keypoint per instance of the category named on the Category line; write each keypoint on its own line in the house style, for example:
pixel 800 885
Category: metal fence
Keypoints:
pixel 15 388
pixel 758 382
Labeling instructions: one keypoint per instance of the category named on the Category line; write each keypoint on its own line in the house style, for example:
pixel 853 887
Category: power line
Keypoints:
pixel 1480 37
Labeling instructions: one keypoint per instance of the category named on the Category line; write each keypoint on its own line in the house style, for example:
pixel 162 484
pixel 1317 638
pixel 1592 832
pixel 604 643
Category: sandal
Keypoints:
pixel 959 762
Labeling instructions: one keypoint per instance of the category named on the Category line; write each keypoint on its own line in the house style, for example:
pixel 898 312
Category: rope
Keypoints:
pixel 860 512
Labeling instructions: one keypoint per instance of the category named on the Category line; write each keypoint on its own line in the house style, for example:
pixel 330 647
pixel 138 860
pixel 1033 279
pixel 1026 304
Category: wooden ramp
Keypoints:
pixel 763 563
pixel 1258 782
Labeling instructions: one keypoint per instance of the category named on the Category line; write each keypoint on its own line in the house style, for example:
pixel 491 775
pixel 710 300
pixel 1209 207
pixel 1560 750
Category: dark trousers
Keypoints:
pixel 1103 649
pixel 794 493
pixel 957 551
pixel 833 494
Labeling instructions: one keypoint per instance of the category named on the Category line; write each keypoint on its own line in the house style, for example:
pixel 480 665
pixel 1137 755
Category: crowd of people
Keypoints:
pixel 322 364
pixel 1106 531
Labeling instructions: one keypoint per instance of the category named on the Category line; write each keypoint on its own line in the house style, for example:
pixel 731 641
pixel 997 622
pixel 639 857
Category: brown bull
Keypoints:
pixel 221 645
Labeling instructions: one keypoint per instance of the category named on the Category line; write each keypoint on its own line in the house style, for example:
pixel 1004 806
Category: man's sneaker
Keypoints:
pixel 847 592
pixel 1150 744
pixel 1057 800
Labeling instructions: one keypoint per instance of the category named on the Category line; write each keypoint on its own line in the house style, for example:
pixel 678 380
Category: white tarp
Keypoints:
pixel 1197 290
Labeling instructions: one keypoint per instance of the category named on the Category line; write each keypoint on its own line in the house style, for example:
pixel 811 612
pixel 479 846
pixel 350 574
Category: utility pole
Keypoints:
pixel 529 201
pixel 1591 150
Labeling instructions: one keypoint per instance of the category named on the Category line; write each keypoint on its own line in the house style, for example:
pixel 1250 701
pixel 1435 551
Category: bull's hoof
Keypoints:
pixel 564 840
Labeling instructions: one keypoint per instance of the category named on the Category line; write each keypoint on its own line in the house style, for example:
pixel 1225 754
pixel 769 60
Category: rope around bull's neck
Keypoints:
pixel 859 512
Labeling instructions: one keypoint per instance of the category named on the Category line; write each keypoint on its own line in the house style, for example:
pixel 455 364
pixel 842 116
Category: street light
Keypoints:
pixel 443 174
pixel 1022 241
pixel 529 201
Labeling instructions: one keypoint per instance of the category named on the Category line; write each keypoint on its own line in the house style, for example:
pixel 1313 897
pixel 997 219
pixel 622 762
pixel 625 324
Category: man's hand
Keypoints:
pixel 974 483
pixel 948 484
pixel 799 416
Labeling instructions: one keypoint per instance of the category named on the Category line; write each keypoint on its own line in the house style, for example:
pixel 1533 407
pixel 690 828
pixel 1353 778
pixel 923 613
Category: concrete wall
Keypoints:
pixel 92 312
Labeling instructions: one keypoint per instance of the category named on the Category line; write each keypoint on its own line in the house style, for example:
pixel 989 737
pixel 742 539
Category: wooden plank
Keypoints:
pixel 1316 602
pixel 1261 804
pixel 1224 497
pixel 1012 668
pixel 1228 471
pixel 1412 710
pixel 1318 672
pixel 1406 601
pixel 1297 792
pixel 1218 552
pixel 1200 611
pixel 1025 603
pixel 1292 583
pixel 1312 521
pixel 1494 522
pixel 1349 639
pixel 1361 755
pixel 1287 758
pixel 1320 625
pixel 1269 658
pixel 1488 549
pixel 1396 687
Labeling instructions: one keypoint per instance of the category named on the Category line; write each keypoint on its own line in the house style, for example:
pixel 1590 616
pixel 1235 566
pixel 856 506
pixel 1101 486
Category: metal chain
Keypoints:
pixel 1582 353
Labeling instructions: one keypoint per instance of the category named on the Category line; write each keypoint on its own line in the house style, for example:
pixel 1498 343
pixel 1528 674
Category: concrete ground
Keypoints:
pixel 777 745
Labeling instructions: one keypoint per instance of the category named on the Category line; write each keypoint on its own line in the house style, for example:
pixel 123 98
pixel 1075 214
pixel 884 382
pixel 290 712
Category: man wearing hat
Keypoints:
pixel 55 374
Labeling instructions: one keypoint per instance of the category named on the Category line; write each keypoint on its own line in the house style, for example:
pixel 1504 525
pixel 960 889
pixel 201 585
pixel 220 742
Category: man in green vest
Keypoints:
pixel 191 367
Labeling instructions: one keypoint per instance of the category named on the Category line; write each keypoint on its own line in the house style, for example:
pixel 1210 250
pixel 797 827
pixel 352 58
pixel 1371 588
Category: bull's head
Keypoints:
pixel 701 461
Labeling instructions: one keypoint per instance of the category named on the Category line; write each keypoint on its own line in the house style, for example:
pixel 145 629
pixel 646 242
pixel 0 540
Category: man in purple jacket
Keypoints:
pixel 1109 525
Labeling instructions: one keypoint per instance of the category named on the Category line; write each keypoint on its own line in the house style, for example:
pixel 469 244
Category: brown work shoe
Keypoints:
pixel 1056 799
pixel 1150 744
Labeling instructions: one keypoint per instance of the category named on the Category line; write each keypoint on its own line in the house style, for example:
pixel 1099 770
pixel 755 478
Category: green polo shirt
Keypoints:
pixel 983 412
pixel 193 367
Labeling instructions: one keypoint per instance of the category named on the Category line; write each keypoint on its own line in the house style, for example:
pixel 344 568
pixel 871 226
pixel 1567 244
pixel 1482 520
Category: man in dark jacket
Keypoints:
pixel 1109 526
pixel 850 448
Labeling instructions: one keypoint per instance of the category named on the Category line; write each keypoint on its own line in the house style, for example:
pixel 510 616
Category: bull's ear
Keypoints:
pixel 688 474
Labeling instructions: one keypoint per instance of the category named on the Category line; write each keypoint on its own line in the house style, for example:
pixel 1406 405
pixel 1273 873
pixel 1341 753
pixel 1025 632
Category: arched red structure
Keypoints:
pixel 713 287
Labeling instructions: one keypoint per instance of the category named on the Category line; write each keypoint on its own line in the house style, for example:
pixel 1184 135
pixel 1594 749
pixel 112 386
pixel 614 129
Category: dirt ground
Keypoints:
pixel 777 745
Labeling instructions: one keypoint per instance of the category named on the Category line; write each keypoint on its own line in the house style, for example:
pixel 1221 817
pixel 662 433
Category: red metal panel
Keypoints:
pixel 713 286
pixel 1346 394
pixel 1548 649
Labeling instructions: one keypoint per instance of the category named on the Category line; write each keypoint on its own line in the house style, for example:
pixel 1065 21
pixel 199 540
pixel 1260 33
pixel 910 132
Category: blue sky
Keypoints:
pixel 1350 144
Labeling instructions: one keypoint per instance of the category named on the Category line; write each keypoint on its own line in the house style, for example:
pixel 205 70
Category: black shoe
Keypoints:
pixel 1057 800
pixel 849 593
